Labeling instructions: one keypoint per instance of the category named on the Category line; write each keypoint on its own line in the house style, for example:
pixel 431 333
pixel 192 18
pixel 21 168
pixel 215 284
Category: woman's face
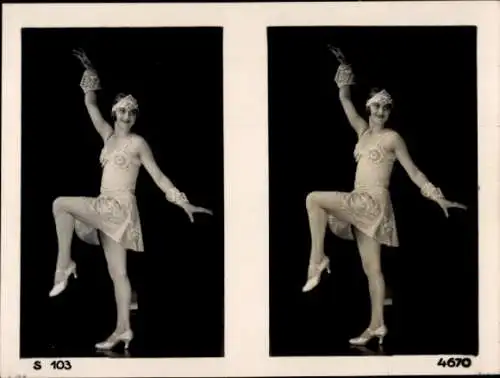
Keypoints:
pixel 379 113
pixel 125 117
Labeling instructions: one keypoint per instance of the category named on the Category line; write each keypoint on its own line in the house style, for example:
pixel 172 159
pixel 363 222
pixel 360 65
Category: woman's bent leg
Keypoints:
pixel 116 257
pixel 65 211
pixel 65 225
pixel 318 205
pixel 369 250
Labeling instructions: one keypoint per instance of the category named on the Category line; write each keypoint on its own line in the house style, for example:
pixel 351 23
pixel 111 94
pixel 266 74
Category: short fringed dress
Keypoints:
pixel 368 207
pixel 114 212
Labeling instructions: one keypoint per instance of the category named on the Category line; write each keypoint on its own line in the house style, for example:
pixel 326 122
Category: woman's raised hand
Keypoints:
pixel 82 57
pixel 338 54
pixel 445 205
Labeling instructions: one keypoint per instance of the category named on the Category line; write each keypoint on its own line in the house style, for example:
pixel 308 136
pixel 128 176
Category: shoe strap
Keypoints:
pixel 67 269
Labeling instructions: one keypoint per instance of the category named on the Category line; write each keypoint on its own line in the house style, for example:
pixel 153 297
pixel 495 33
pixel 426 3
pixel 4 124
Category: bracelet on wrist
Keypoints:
pixel 90 81
pixel 430 191
pixel 176 196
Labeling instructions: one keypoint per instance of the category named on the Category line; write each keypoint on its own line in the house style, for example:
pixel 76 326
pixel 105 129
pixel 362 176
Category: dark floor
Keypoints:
pixel 166 324
pixel 321 322
pixel 139 347
pixel 146 343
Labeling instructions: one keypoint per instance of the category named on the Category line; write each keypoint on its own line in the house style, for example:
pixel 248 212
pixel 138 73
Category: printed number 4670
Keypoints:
pixel 455 362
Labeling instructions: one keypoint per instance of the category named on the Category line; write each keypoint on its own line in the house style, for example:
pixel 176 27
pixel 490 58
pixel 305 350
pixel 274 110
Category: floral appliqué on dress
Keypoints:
pixel 111 209
pixel 363 206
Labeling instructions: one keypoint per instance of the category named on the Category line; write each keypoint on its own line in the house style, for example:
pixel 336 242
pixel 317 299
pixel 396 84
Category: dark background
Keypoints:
pixel 433 275
pixel 176 75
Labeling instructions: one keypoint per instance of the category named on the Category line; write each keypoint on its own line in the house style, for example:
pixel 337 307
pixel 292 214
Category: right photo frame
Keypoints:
pixel 373 190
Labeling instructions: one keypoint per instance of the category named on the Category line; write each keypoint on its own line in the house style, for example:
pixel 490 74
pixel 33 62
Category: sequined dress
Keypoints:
pixel 368 207
pixel 114 211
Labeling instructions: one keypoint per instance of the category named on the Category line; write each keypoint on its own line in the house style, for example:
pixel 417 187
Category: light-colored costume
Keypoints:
pixel 368 207
pixel 115 209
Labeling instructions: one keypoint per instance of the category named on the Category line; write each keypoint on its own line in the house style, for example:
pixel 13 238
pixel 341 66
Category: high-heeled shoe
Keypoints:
pixel 60 286
pixel 125 337
pixel 369 334
pixel 318 269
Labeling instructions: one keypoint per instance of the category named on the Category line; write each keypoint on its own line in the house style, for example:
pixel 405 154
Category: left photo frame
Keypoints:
pixel 122 230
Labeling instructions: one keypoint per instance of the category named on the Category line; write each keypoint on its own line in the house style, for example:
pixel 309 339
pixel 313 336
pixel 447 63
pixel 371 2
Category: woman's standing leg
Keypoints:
pixel 369 250
pixel 116 257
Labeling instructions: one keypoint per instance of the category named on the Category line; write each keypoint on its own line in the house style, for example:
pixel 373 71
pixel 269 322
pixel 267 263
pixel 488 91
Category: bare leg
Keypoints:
pixel 369 250
pixel 65 211
pixel 65 224
pixel 317 225
pixel 318 205
pixel 116 256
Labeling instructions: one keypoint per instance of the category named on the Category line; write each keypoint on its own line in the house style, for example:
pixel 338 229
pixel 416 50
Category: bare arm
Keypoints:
pixel 404 158
pixel 344 78
pixel 419 179
pixel 100 124
pixel 147 159
pixel 357 122
pixel 165 184
pixel 90 84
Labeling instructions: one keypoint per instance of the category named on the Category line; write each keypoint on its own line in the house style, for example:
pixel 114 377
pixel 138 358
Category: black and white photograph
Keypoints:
pixel 238 189
pixel 122 217
pixel 373 190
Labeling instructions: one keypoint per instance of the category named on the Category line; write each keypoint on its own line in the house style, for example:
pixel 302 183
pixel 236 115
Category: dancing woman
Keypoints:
pixel 365 214
pixel 112 218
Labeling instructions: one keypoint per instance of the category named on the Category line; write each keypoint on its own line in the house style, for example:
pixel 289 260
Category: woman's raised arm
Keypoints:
pixel 344 78
pixel 357 122
pixel 90 83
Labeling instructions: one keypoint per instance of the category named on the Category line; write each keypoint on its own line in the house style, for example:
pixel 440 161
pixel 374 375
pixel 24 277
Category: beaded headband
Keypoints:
pixel 128 102
pixel 382 98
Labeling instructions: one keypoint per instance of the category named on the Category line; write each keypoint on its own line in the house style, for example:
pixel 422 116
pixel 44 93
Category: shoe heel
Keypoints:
pixel 380 340
pixel 127 343
pixel 328 270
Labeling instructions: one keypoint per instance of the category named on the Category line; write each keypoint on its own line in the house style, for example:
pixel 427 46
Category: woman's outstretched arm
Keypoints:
pixel 164 183
pixel 90 84
pixel 427 189
pixel 147 159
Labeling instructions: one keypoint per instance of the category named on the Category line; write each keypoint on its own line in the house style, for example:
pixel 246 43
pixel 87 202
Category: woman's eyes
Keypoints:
pixel 123 111
pixel 378 106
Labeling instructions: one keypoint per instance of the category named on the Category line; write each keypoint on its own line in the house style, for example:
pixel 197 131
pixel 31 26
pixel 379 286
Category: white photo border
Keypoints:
pixel 246 179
